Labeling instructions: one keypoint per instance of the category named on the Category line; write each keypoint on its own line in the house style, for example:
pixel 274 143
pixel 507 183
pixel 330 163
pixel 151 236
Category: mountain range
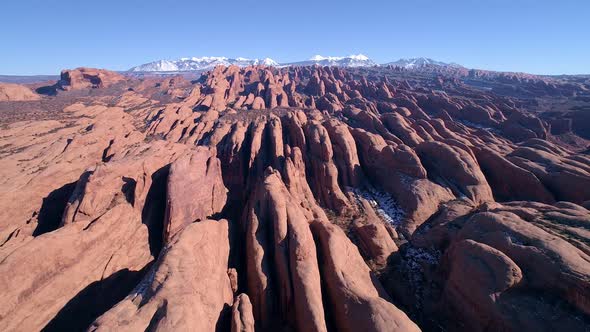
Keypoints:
pixel 197 64
pixel 421 62
pixel 207 63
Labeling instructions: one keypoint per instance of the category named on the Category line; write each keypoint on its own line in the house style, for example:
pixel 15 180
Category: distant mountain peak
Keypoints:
pixel 419 62
pixel 199 64
pixel 359 57
pixel 209 62
pixel 355 60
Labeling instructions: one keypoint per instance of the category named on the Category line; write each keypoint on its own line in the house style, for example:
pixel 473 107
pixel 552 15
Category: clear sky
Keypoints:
pixel 536 36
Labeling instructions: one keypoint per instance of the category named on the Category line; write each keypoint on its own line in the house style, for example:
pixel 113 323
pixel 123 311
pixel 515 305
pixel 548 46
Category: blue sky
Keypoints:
pixel 536 36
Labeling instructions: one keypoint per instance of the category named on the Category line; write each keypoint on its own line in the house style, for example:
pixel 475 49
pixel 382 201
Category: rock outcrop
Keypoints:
pixel 276 227
pixel 16 92
pixel 177 294
pixel 359 302
pixel 83 78
pixel 242 317
pixel 195 190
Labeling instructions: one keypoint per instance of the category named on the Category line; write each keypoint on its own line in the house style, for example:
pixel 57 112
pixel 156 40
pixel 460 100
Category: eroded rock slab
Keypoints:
pixel 188 287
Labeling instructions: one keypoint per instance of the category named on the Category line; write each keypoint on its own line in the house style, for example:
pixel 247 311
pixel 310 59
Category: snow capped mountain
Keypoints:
pixel 421 62
pixel 208 63
pixel 199 64
pixel 358 57
pixel 358 60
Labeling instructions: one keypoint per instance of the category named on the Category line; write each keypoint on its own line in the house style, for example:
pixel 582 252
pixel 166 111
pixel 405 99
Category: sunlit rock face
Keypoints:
pixel 301 198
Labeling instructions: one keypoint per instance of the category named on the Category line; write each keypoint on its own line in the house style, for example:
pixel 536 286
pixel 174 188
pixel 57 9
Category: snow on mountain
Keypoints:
pixel 421 62
pixel 359 57
pixel 199 64
pixel 358 60
pixel 208 63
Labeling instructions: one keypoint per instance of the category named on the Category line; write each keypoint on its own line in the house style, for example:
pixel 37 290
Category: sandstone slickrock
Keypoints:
pixel 508 181
pixel 479 274
pixel 358 300
pixel 345 154
pixel 81 78
pixel 457 168
pixel 16 92
pixel 374 238
pixel 399 171
pixel 566 273
pixel 195 190
pixel 469 209
pixel 564 176
pixel 103 237
pixel 242 318
pixel 275 224
pixel 188 288
pixel 512 259
pixel 322 168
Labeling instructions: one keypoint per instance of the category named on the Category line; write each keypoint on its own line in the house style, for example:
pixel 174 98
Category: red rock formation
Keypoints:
pixel 322 168
pixel 195 190
pixel 503 254
pixel 316 161
pixel 258 103
pixel 374 239
pixel 101 240
pixel 295 293
pixel 478 276
pixel 345 154
pixel 356 296
pixel 83 78
pixel 457 168
pixel 16 92
pixel 400 172
pixel 242 319
pixel 566 177
pixel 508 181
pixel 176 294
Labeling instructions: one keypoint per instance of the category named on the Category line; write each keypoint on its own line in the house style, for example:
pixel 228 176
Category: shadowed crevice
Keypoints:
pixel 94 300
pixel 154 209
pixel 52 209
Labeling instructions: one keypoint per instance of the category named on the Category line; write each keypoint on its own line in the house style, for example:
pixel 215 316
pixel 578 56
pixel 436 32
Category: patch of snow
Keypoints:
pixel 479 126
pixel 384 205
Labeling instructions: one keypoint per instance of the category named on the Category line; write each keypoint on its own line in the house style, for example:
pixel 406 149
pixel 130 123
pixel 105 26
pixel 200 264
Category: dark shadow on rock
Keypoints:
pixel 95 300
pixel 49 90
pixel 52 209
pixel 224 319
pixel 128 189
pixel 158 316
pixel 154 209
